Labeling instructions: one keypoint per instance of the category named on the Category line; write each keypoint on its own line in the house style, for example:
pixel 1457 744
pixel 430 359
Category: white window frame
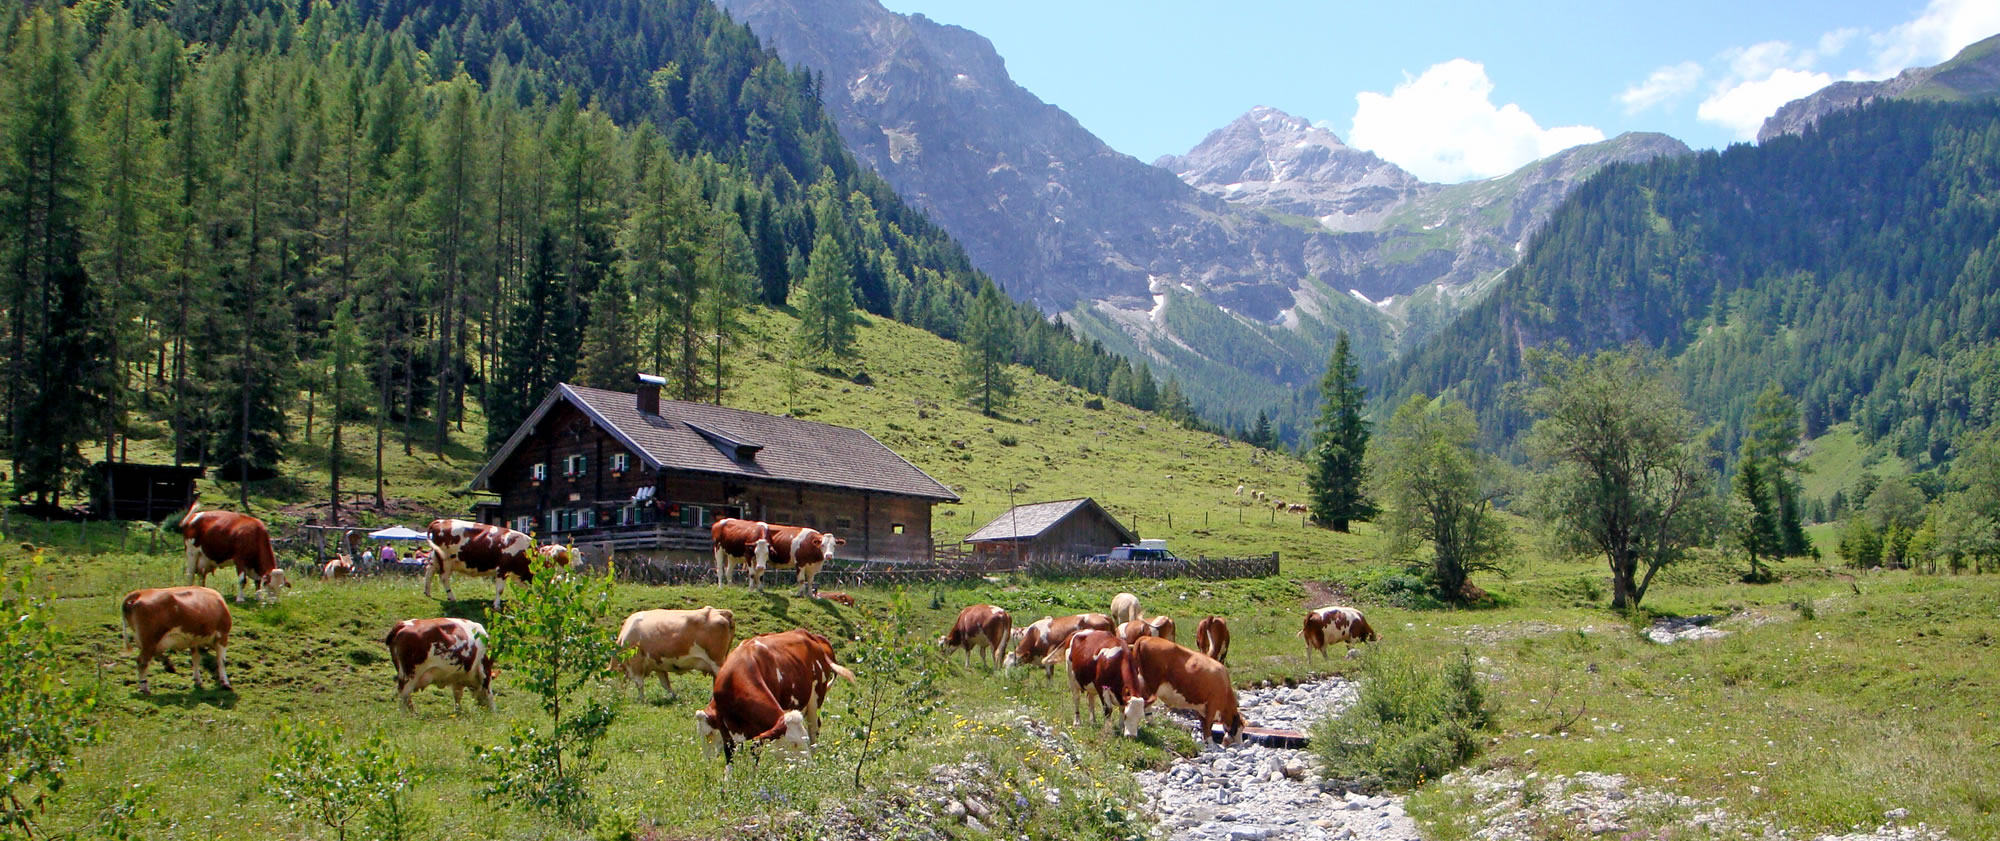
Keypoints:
pixel 539 471
pixel 621 462
pixel 575 465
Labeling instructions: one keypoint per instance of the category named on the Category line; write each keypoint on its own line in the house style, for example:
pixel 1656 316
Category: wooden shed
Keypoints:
pixel 124 490
pixel 629 471
pixel 1060 530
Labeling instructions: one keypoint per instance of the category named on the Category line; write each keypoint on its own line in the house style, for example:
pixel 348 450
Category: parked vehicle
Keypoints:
pixel 1145 550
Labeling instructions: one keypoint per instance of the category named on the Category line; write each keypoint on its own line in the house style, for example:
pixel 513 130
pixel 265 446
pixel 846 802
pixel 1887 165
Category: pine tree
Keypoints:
pixel 1339 472
pixel 826 304
pixel 1773 437
pixel 985 352
pixel 1260 432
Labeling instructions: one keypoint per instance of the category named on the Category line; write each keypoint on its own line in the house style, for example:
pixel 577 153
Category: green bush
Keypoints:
pixel 1414 721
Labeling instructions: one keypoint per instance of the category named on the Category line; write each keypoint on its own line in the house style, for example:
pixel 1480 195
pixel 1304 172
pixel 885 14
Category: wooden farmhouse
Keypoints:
pixel 632 472
pixel 1061 530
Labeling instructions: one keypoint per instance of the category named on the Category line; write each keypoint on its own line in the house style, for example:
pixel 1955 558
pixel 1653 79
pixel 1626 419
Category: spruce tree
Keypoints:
pixel 1338 471
pixel 608 360
pixel 1753 524
pixel 1773 436
pixel 985 351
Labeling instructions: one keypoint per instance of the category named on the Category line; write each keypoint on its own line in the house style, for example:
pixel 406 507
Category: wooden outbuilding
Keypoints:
pixel 629 471
pixel 1061 530
pixel 123 490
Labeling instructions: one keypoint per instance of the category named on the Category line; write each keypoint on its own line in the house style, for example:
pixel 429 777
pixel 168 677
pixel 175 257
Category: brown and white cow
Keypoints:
pixel 1211 637
pixel 216 538
pixel 442 652
pixel 167 619
pixel 339 567
pixel 1048 634
pixel 665 642
pixel 558 554
pixel 981 626
pixel 770 689
pixel 1101 666
pixel 1158 626
pixel 1185 679
pixel 478 550
pixel 739 543
pixel 1329 625
pixel 797 547
pixel 1124 607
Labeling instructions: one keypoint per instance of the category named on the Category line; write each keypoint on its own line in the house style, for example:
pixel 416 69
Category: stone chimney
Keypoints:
pixel 649 394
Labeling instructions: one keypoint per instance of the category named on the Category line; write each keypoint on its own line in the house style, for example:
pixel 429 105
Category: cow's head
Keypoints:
pixel 276 578
pixel 760 553
pixel 794 738
pixel 826 543
pixel 1135 712
pixel 713 739
pixel 1232 728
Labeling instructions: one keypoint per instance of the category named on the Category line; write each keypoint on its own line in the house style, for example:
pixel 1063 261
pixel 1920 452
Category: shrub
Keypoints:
pixel 1413 721
pixel 1008 440
pixel 326 782
pixel 46 717
pixel 1094 403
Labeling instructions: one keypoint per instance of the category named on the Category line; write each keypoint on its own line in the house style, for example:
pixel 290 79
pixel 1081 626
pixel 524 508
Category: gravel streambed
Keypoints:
pixel 1254 793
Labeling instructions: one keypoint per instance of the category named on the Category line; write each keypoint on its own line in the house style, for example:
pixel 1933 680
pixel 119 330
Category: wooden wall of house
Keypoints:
pixel 564 432
pixel 1081 534
pixel 877 527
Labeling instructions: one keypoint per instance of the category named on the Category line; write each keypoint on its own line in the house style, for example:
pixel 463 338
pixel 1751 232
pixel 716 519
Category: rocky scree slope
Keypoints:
pixel 1973 73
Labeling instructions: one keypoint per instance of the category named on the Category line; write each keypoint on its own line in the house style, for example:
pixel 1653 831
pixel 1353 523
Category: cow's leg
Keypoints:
pixel 485 693
pixel 194 666
pixel 240 579
pixel 636 676
pixel 221 673
pixel 403 690
pixel 458 697
pixel 499 586
pixel 720 565
pixel 431 573
pixel 145 660
pixel 667 683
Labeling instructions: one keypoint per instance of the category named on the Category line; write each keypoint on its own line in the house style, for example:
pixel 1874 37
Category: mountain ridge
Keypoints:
pixel 1973 72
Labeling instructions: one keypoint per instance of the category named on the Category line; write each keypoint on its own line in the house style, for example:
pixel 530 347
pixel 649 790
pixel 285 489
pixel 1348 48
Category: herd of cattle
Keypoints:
pixel 767 688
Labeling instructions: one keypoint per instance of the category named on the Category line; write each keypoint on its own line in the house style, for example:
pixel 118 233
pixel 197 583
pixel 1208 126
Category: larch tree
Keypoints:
pixel 826 304
pixel 984 352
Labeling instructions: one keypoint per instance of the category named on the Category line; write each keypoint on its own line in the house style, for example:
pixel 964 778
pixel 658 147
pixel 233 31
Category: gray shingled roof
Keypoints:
pixel 704 438
pixel 1030 520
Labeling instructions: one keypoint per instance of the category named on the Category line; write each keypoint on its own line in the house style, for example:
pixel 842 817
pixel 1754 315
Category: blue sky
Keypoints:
pixel 1451 91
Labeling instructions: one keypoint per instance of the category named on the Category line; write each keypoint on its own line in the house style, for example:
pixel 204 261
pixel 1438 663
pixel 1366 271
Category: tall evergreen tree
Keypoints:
pixel 1338 474
pixel 608 360
pixel 1753 525
pixel 1773 437
pixel 985 351
pixel 59 368
pixel 826 303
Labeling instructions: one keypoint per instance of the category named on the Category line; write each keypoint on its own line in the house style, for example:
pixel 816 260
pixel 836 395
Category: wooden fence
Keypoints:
pixel 651 571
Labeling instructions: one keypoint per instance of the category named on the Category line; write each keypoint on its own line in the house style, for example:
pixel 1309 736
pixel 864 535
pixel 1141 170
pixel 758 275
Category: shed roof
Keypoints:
pixel 705 438
pixel 1030 520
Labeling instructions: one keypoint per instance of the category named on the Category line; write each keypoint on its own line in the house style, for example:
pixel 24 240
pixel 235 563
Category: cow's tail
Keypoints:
pixel 1061 652
pixel 842 671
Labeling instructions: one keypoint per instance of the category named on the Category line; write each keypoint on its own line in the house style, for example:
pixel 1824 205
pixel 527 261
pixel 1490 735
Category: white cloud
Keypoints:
pixel 1944 28
pixel 1667 83
pixel 1742 107
pixel 1443 126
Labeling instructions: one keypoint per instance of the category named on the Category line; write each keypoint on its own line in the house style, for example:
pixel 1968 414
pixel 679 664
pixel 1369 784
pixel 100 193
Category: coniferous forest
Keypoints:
pixel 237 215
pixel 1856 267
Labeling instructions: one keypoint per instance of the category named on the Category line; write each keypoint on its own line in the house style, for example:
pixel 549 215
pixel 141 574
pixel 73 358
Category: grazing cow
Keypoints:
pixel 214 538
pixel 1124 607
pixel 982 626
pixel 797 547
pixel 1158 626
pixel 663 642
pixel 839 598
pixel 1239 490
pixel 1329 625
pixel 1296 508
pixel 1102 666
pixel 739 543
pixel 167 619
pixel 445 652
pixel 478 550
pixel 769 689
pixel 1211 637
pixel 339 567
pixel 1049 633
pixel 1188 680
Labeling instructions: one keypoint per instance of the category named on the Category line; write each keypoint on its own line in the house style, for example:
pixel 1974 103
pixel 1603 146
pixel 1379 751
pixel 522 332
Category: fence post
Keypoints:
pixel 1170 521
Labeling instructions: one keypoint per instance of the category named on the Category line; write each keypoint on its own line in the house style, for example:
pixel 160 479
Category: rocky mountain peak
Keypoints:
pixel 1973 73
pixel 1274 160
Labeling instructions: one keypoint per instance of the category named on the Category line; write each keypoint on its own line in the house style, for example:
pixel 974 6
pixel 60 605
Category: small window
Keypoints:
pixel 896 528
pixel 524 523
pixel 539 471
pixel 843 524
pixel 621 462
pixel 574 465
